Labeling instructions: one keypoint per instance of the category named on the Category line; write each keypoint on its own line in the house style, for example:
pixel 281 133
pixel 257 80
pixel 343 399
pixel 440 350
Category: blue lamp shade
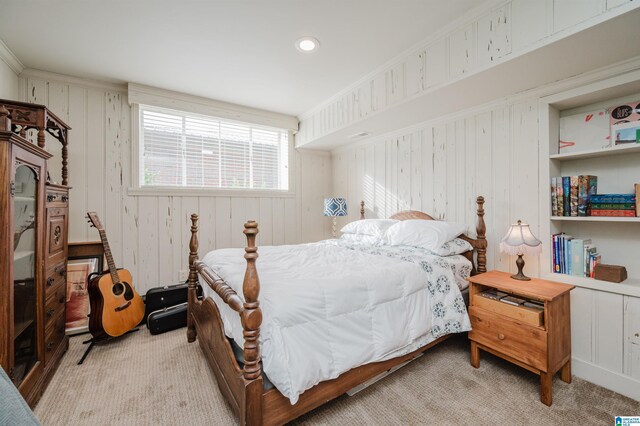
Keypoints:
pixel 335 207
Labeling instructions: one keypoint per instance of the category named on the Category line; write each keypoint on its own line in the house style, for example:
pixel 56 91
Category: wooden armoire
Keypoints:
pixel 33 243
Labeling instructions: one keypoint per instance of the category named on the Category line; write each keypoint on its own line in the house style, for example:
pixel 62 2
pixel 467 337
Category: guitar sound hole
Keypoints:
pixel 118 289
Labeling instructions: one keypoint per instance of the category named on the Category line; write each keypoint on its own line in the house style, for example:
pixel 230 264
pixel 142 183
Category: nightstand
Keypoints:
pixel 536 339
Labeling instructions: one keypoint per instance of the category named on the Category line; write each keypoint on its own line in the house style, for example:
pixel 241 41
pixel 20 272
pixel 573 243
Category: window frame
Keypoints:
pixel 137 189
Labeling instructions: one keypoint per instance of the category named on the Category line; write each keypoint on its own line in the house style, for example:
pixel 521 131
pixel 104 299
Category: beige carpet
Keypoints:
pixel 162 380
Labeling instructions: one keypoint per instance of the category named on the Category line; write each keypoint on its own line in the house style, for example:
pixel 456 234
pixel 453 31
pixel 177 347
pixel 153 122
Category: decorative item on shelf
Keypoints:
pixel 520 241
pixel 335 207
pixel 625 123
pixel 611 273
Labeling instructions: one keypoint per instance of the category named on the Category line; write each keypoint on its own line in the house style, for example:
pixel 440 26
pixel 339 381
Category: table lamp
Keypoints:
pixel 335 207
pixel 520 241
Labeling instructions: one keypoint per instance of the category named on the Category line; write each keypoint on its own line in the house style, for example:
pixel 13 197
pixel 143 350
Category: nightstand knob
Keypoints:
pixel 637 334
pixel 501 336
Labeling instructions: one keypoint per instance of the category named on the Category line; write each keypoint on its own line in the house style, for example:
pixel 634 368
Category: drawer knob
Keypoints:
pixel 501 336
pixel 49 346
pixel 61 299
pixel 637 335
pixel 61 270
pixel 65 198
pixel 50 281
pixel 50 312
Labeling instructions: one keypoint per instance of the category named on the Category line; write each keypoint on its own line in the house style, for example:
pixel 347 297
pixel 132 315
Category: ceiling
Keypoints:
pixel 239 51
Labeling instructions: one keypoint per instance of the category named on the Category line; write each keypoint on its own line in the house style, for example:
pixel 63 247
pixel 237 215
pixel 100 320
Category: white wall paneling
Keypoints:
pixel 501 31
pixel 440 167
pixel 149 234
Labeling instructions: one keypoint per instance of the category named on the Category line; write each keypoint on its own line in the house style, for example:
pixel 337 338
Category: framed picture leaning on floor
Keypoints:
pixel 84 260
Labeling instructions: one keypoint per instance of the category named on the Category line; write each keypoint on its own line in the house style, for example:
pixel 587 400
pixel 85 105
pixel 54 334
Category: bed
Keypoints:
pixel 336 316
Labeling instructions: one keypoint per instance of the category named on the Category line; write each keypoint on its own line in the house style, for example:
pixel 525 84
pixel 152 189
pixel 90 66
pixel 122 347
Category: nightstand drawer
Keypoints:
pixel 523 314
pixel 513 338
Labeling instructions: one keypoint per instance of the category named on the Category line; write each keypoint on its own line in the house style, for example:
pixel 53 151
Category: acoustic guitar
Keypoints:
pixel 116 307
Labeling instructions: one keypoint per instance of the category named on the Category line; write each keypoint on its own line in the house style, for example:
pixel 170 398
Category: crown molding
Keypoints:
pixel 10 59
pixel 112 86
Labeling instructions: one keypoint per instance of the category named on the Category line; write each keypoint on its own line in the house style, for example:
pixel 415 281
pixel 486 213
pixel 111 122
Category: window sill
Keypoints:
pixel 205 192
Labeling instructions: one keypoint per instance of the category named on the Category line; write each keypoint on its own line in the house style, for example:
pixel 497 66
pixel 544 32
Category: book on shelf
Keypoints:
pixel 554 197
pixel 559 196
pixel 637 194
pixel 613 206
pixel 594 259
pixel 566 195
pixel 587 187
pixel 613 213
pixel 577 257
pixel 613 198
pixel 573 196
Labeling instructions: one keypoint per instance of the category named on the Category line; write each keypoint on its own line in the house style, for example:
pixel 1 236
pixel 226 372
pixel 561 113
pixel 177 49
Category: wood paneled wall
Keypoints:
pixel 149 234
pixel 441 167
pixel 8 81
pixel 492 33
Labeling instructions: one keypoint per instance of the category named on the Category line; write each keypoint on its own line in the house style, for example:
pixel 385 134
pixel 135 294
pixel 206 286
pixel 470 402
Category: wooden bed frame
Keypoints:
pixel 243 386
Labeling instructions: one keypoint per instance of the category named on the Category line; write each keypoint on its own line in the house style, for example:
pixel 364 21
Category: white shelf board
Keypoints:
pixel 616 150
pixel 629 287
pixel 596 219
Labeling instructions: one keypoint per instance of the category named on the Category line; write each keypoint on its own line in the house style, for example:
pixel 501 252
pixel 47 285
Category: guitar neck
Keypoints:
pixel 107 253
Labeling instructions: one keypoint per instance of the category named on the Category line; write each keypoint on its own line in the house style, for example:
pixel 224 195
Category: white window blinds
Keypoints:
pixel 187 150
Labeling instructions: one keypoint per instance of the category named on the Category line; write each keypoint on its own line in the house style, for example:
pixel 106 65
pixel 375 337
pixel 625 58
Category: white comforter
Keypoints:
pixel 329 306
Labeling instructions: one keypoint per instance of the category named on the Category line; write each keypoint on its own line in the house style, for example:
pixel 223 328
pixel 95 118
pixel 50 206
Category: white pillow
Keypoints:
pixel 455 246
pixel 429 234
pixel 361 239
pixel 375 227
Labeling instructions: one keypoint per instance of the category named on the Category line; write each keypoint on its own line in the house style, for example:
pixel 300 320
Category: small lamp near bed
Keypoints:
pixel 335 207
pixel 520 241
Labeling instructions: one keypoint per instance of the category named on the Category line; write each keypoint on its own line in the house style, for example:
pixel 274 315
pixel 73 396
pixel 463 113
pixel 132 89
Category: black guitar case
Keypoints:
pixel 159 298
pixel 167 319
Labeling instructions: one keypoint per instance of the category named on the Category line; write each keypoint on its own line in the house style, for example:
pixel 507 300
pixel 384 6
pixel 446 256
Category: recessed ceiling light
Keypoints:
pixel 307 44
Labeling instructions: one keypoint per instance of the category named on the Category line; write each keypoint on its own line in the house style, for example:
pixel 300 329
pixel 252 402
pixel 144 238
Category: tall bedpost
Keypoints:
pixel 361 209
pixel 252 314
pixel 251 317
pixel 481 230
pixel 193 278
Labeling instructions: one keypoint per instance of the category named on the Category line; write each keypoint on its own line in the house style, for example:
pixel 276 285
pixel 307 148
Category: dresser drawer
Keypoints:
pixel 56 277
pixel 54 335
pixel 54 305
pixel 520 341
pixel 57 197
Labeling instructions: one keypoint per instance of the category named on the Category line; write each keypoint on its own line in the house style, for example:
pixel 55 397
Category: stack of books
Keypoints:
pixel 619 205
pixel 574 256
pixel 570 194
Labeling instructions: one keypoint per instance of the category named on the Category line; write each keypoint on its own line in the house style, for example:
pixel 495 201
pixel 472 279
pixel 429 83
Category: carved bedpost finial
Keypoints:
pixel 481 230
pixel 252 314
pixel 361 209
pixel 193 278
pixel 5 119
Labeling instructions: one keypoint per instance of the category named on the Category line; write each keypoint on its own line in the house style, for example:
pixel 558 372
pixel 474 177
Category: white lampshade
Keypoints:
pixel 519 240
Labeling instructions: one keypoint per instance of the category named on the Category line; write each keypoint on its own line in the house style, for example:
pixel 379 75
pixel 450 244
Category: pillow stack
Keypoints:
pixel 438 237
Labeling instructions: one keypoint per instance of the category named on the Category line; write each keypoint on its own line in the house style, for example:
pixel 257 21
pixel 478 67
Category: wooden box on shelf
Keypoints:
pixel 539 341
pixel 611 273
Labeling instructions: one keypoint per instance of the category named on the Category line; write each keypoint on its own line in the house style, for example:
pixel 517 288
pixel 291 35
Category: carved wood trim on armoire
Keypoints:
pixel 33 235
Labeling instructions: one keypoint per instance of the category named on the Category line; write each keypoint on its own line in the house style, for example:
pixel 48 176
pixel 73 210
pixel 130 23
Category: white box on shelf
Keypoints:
pixel 584 131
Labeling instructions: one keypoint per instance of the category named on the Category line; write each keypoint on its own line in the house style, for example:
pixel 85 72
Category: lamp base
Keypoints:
pixel 520 276
pixel 333 227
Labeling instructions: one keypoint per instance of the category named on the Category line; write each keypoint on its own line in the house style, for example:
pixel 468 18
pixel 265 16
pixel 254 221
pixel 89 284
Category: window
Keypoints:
pixel 179 149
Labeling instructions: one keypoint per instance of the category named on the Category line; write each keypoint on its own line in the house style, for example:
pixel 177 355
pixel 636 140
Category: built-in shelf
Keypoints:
pixel 603 152
pixel 596 219
pixel 629 287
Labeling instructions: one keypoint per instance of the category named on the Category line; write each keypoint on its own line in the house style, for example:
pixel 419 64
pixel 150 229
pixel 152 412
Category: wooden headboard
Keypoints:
pixel 479 243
